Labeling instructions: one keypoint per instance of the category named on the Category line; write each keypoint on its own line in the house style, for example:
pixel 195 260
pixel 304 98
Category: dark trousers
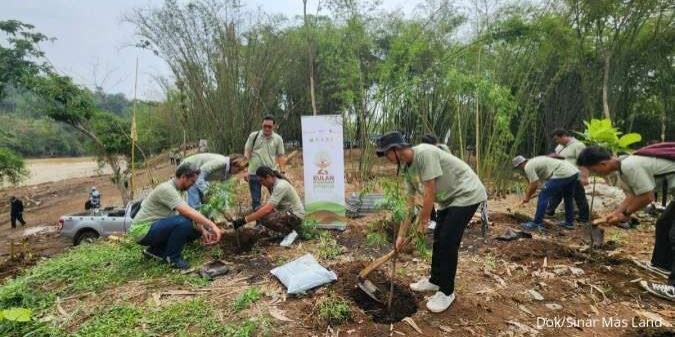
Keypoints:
pixel 256 190
pixel 167 237
pixel 447 237
pixel 17 217
pixel 563 186
pixel 282 222
pixel 663 255
pixel 579 199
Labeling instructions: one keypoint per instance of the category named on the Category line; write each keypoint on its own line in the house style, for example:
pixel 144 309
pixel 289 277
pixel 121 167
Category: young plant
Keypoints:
pixel 329 249
pixel 245 299
pixel 307 230
pixel 601 132
pixel 333 310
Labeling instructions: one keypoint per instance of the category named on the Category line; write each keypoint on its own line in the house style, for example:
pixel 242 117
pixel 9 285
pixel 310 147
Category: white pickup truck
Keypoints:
pixel 87 226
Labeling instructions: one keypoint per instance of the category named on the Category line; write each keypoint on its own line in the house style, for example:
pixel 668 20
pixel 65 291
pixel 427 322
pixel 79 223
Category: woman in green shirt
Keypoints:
pixel 283 211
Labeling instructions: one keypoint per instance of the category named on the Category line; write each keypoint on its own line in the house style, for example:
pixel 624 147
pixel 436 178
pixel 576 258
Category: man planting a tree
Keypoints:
pixel 651 169
pixel 558 176
pixel 452 184
pixel 158 226
pixel 213 167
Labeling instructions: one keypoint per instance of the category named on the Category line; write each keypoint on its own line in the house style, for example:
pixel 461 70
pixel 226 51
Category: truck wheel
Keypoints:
pixel 87 236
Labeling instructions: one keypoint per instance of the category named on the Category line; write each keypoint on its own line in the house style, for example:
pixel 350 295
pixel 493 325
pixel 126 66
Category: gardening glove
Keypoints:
pixel 238 223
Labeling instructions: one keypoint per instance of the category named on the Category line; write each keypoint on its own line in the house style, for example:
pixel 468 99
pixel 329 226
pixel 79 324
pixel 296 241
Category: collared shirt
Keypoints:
pixel 545 168
pixel 213 166
pixel 160 204
pixel 265 150
pixel 570 151
pixel 285 198
pixel 455 182
pixel 640 174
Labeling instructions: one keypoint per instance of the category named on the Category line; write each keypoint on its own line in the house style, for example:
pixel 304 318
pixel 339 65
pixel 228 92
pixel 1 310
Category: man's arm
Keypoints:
pixel 630 205
pixel 531 188
pixel 583 175
pixel 192 214
pixel 261 212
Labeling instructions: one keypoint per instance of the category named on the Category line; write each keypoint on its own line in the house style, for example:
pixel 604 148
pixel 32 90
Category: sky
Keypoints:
pixel 94 46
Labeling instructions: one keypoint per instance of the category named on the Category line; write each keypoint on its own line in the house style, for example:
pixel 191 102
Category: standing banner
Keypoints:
pixel 323 155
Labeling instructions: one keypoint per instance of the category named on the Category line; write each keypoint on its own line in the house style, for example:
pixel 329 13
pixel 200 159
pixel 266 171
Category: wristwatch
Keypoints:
pixel 626 213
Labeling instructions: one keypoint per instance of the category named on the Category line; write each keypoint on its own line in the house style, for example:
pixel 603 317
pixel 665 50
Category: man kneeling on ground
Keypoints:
pixel 284 211
pixel 164 232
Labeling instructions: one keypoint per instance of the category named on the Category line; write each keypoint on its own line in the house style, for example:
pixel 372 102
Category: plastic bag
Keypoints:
pixel 302 274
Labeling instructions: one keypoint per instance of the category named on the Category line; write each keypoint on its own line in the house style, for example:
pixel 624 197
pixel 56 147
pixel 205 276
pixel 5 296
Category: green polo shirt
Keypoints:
pixel 285 198
pixel 160 204
pixel 545 168
pixel 456 183
pixel 264 151
pixel 212 165
pixel 639 175
pixel 570 151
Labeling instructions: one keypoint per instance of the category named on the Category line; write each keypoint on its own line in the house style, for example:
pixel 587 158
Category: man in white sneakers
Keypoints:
pixel 450 182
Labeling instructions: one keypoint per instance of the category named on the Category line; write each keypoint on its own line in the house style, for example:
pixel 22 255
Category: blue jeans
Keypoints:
pixel 167 237
pixel 552 187
pixel 256 190
pixel 196 192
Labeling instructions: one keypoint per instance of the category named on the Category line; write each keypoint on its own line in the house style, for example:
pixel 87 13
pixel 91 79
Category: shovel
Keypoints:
pixel 369 287
pixel 596 233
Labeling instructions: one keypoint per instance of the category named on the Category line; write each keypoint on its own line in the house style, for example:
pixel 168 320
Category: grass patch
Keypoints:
pixel 329 249
pixel 245 299
pixel 333 310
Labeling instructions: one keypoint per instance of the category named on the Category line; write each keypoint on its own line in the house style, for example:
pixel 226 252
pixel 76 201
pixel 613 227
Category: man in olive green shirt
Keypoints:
pixel 263 148
pixel 640 177
pixel 284 211
pixel 558 176
pixel 213 167
pixel 569 149
pixel 452 184
pixel 164 232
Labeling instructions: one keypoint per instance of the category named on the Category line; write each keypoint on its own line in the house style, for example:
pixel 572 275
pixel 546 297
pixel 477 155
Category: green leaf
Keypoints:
pixel 629 139
pixel 17 314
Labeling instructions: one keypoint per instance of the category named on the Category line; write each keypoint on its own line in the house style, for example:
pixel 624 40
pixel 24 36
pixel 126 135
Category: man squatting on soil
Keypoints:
pixel 640 177
pixel 445 179
pixel 157 226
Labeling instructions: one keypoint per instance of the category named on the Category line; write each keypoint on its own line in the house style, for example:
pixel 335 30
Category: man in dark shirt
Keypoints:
pixel 16 212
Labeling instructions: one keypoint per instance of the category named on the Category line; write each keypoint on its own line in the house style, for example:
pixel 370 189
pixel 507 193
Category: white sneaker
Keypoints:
pixel 423 285
pixel 659 289
pixel 440 302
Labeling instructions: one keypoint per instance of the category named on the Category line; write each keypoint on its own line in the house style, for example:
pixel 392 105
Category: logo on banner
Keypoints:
pixel 323 180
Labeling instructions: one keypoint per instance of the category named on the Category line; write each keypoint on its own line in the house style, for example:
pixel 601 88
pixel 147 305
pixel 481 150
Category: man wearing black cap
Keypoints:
pixel 452 184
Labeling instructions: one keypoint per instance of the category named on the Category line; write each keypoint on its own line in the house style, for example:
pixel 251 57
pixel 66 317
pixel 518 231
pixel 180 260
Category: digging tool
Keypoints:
pixel 369 287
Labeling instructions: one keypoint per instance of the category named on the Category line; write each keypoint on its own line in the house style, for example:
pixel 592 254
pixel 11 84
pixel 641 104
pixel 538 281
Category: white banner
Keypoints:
pixel 323 155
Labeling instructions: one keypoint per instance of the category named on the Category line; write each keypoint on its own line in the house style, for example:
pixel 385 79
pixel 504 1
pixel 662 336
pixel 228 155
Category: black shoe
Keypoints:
pixel 178 263
pixel 148 254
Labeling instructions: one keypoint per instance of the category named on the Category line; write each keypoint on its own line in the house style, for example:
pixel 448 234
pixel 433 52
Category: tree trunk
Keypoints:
pixel 605 87
pixel 311 58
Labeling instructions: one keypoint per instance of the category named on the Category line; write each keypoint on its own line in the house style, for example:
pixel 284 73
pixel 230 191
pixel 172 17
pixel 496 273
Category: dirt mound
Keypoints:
pixel 404 303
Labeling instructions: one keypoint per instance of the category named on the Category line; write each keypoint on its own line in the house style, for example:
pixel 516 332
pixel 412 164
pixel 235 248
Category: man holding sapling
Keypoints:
pixel 452 184
pixel 648 170
pixel 558 176
pixel 164 232
pixel 212 167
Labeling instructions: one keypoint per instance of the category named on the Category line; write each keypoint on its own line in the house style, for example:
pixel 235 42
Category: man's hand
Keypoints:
pixel 584 181
pixel 238 223
pixel 615 218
